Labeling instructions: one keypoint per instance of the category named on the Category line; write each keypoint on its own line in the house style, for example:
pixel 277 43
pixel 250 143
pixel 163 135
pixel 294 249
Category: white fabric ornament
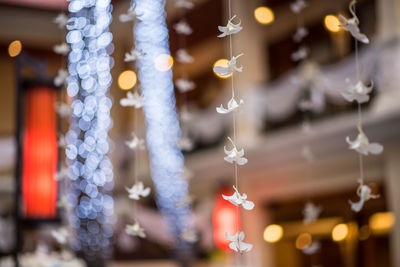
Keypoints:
pixel 232 106
pixel 364 192
pixel 300 54
pixel 61 49
pixel 230 28
pixel 237 243
pixel 351 25
pixel 184 4
pixel 362 145
pixel 60 235
pixel 184 85
pixel 183 56
pixel 61 77
pixel 311 213
pixel 61 20
pixel 135 230
pixel 131 15
pixel 237 199
pixel 133 55
pixel 313 248
pixel 136 143
pixel 234 155
pixel 298 6
pixel 182 27
pixel 132 100
pixel 358 92
pixel 225 71
pixel 138 190
pixel 300 34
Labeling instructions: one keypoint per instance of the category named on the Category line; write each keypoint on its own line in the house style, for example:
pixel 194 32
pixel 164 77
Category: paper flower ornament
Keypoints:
pixel 230 28
pixel 61 49
pixel 63 110
pixel 232 106
pixel 131 15
pixel 311 212
pixel 234 155
pixel 184 85
pixel 138 190
pixel 365 194
pixel 185 143
pixel 362 145
pixel 61 20
pixel 184 4
pixel 237 199
pixel 298 6
pixel 189 236
pixel 225 71
pixel 182 27
pixel 183 56
pixel 358 92
pixel 300 54
pixel 300 34
pixel 132 100
pixel 312 248
pixel 60 235
pixel 61 77
pixel 351 25
pixel 237 243
pixel 133 55
pixel 135 230
pixel 136 143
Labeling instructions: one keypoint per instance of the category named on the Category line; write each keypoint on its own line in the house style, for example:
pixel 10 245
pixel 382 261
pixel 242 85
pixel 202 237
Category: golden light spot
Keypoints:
pixel 127 79
pixel 164 62
pixel 340 232
pixel 221 63
pixel 264 15
pixel 273 233
pixel 14 48
pixel 381 222
pixel 303 241
pixel 332 23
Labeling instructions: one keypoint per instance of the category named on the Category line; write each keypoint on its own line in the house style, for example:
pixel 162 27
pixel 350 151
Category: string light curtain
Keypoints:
pixel 89 168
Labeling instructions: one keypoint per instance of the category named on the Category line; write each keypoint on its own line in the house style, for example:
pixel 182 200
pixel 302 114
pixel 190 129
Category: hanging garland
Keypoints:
pixel 359 92
pixel 233 155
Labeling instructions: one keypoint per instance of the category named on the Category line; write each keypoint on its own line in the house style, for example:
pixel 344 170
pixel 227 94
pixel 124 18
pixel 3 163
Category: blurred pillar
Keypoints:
pixel 392 176
pixel 252 42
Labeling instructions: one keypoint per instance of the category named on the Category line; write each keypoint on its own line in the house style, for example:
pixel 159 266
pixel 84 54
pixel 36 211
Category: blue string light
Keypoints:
pixel 163 131
pixel 90 169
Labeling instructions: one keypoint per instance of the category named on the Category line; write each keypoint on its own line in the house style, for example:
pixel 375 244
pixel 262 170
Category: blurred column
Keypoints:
pixel 252 42
pixel 388 38
pixel 392 176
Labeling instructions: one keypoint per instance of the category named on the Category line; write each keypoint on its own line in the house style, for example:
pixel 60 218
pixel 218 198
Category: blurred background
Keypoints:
pixel 296 155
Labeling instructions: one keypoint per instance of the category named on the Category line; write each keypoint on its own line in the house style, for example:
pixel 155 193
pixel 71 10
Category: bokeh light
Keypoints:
pixel 303 241
pixel 340 232
pixel 164 62
pixel 127 80
pixel 273 233
pixel 14 48
pixel 381 222
pixel 264 15
pixel 221 63
pixel 332 23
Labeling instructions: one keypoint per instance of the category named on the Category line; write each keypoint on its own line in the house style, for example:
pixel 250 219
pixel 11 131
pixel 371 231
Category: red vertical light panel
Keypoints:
pixel 39 186
pixel 225 220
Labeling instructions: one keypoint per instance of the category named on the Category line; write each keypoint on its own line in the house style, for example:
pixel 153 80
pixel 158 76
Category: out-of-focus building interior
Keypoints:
pixel 293 127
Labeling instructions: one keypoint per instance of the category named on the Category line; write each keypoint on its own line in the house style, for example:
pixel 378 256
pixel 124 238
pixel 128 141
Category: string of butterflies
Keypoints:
pixel 134 99
pixel 233 155
pixel 64 111
pixel 359 92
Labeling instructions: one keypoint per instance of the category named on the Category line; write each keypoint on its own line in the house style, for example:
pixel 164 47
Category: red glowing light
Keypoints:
pixel 225 220
pixel 39 186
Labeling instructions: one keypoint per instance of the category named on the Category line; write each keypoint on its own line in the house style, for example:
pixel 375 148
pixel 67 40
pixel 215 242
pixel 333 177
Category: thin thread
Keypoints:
pixel 359 104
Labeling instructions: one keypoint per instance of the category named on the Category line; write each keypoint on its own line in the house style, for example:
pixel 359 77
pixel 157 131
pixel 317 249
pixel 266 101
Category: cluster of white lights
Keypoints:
pixel 163 131
pixel 89 168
